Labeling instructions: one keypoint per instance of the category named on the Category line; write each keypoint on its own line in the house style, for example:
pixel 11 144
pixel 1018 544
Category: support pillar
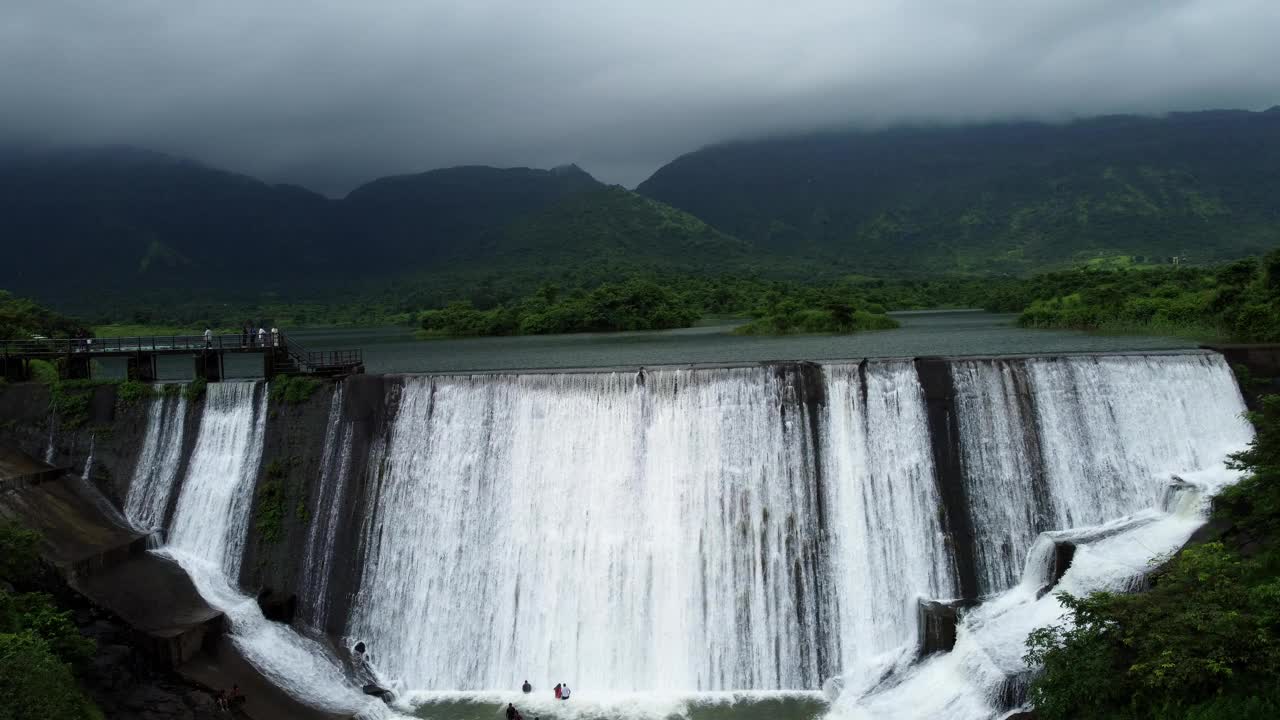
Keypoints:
pixel 209 366
pixel 141 367
pixel 76 367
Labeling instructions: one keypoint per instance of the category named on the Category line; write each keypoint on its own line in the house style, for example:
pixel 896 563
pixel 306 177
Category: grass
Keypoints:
pixel 128 330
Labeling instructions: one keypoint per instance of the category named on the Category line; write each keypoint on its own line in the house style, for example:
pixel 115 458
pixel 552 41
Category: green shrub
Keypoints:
pixel 36 613
pixel 273 497
pixel 131 392
pixel 293 390
pixel 19 553
pixel 195 390
pixel 36 685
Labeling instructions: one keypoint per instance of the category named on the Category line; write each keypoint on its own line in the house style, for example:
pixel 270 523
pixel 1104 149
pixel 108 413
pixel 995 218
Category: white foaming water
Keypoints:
pixel 88 463
pixel 207 537
pixel 158 461
pixel 889 545
pixel 1051 444
pixel 621 536
pixel 1112 433
pixel 331 493
pixel 1113 429
pixel 212 515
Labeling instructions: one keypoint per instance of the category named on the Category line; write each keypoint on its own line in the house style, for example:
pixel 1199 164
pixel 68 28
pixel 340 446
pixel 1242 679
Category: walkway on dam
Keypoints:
pixel 74 356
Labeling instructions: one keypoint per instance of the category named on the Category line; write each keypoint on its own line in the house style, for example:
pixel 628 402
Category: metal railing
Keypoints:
pixel 307 360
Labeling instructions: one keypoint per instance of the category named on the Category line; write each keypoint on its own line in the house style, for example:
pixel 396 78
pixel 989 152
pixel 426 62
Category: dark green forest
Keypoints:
pixel 1011 198
pixel 115 231
pixel 1238 301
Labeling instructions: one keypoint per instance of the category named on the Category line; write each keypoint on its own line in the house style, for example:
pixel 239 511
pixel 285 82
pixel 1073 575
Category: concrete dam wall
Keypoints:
pixel 671 531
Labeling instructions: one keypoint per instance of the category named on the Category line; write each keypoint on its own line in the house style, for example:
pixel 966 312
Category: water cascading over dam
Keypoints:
pixel 698 530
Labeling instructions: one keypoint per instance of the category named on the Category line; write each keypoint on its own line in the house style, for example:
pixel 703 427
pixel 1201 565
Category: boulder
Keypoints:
pixel 936 623
pixel 1064 551
pixel 278 606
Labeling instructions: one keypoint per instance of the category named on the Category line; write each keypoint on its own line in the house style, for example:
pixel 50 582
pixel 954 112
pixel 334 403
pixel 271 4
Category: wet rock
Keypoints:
pixel 278 606
pixel 936 624
pixel 111 668
pixel 1064 552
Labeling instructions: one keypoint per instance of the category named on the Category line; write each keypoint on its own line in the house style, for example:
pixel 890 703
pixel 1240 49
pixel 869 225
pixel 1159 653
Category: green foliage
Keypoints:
pixel 274 495
pixel 294 389
pixel 36 685
pixel 19 553
pixel 43 371
pixel 131 392
pixel 997 198
pixel 635 304
pixel 195 390
pixel 39 644
pixel 1204 641
pixel 1236 301
pixel 20 319
pixel 36 613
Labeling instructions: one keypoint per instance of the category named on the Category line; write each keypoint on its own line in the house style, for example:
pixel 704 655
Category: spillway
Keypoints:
pixel 319 557
pixel 158 463
pixel 700 532
pixel 631 536
pixel 212 513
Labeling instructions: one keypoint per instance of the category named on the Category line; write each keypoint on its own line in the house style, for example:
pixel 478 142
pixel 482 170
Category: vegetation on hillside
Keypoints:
pixel 41 650
pixel 1204 642
pixel 1238 301
pixel 21 318
pixel 1011 198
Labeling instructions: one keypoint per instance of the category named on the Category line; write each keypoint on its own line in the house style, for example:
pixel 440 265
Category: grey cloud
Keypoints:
pixel 332 94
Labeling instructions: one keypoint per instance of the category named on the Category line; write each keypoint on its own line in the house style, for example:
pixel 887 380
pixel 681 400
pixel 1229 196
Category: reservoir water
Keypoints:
pixel 955 332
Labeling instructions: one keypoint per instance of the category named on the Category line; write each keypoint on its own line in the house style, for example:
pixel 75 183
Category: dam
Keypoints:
pixel 669 538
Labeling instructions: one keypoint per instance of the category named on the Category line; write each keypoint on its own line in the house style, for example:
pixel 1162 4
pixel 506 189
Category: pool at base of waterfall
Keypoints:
pixel 756 705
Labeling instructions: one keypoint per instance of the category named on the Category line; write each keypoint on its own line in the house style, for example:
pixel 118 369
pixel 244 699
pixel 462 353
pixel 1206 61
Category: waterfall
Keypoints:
pixel 627 536
pixel 1056 443
pixel 88 463
pixel 212 514
pixel 159 460
pixel 1082 450
pixel 889 542
pixel 335 468
pixel 207 535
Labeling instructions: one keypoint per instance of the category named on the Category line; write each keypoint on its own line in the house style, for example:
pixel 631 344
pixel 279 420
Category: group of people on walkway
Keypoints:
pixel 248 338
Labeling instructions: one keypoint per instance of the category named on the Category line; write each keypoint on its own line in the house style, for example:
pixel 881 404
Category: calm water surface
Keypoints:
pixel 395 350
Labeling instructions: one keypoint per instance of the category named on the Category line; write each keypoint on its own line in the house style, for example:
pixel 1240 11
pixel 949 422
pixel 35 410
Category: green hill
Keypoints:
pixel 996 198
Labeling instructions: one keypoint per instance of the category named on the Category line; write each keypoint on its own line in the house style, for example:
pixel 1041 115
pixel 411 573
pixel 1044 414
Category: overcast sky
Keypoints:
pixel 331 94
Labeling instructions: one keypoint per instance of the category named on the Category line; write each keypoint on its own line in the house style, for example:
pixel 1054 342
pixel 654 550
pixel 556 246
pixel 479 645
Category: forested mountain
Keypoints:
pixel 134 222
pixel 999 197
pixel 120 217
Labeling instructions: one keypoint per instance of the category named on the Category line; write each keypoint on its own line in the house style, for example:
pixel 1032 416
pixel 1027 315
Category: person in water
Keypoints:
pixel 564 692
pixel 558 691
pixel 526 687
pixel 511 712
